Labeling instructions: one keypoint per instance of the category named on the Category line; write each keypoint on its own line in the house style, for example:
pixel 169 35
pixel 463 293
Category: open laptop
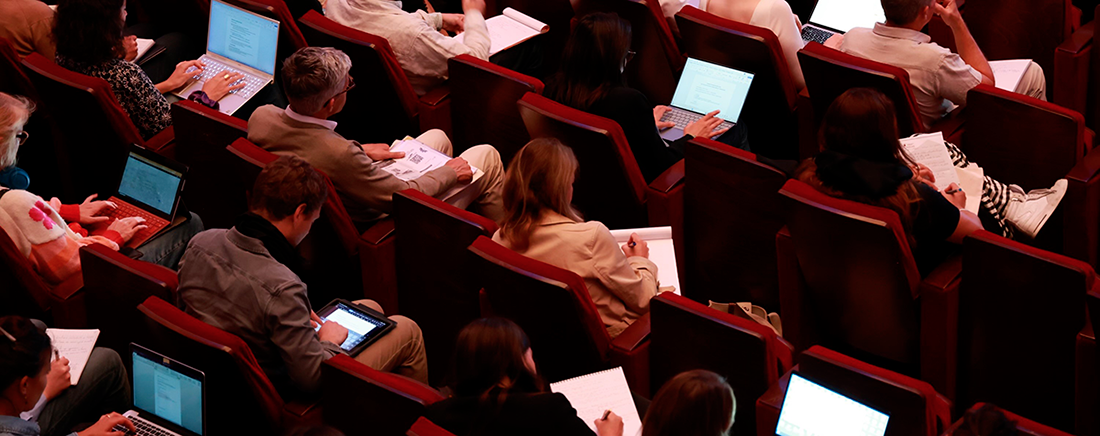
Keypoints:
pixel 169 396
pixel 839 16
pixel 150 188
pixel 238 41
pixel 704 87
pixel 810 409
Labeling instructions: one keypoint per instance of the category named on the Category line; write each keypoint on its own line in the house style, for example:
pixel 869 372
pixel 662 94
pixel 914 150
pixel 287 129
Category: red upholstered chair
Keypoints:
pixel 731 199
pixel 37 157
pixel 25 292
pixel 432 234
pixel 553 306
pixel 361 401
pixel 656 67
pixel 483 105
pixel 201 140
pixel 848 281
pixel 12 78
pixel 1075 80
pixel 915 408
pixel 609 186
pixel 685 335
pixel 770 108
pixel 92 133
pixel 1088 372
pixel 247 162
pixel 424 427
pixel 997 274
pixel 1024 426
pixel 239 397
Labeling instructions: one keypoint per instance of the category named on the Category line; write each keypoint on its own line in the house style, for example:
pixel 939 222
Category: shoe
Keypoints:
pixel 1029 212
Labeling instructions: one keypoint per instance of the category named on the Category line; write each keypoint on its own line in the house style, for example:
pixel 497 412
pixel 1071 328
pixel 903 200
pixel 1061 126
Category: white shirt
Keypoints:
pixel 420 49
pixel 776 15
pixel 672 7
pixel 331 125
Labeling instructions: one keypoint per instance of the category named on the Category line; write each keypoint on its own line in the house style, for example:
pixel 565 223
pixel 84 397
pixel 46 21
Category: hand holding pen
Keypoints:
pixel 636 246
pixel 955 195
pixel 610 425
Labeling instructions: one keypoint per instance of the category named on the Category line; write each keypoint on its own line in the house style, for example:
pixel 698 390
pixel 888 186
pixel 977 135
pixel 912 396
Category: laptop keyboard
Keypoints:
pixel 811 33
pixel 144 428
pixel 214 68
pixel 152 222
pixel 682 118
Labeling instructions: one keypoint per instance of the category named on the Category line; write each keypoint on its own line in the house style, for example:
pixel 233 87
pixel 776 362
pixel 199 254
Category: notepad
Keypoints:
pixel 75 345
pixel 592 394
pixel 928 149
pixel 419 160
pixel 143 46
pixel 1007 74
pixel 662 252
pixel 509 29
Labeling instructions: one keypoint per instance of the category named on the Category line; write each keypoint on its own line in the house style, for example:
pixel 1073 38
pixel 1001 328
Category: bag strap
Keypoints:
pixel 3 191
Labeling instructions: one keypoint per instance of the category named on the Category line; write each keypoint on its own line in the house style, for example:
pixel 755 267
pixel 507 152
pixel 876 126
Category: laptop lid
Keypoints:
pixel 242 36
pixel 844 15
pixel 152 182
pixel 705 87
pixel 167 392
pixel 810 409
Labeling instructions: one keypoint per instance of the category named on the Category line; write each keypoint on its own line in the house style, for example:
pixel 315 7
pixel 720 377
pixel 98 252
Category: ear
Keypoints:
pixel 301 213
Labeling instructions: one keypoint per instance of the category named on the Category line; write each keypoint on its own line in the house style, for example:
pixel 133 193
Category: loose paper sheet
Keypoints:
pixel 420 159
pixel 595 393
pixel 928 149
pixel 661 251
pixel 509 29
pixel 1008 73
pixel 75 345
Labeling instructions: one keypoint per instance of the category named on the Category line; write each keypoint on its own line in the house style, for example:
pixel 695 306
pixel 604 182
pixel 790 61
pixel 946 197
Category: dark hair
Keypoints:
pixel 285 184
pixel 903 12
pixel 537 181
pixel 986 421
pixel 488 361
pixel 591 64
pixel 89 31
pixel 694 403
pixel 26 355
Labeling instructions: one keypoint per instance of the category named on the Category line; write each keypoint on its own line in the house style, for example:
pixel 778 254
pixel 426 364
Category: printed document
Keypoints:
pixel 509 29
pixel 419 160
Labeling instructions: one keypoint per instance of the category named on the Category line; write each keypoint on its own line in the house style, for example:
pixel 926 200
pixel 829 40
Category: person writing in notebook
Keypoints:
pixel 940 78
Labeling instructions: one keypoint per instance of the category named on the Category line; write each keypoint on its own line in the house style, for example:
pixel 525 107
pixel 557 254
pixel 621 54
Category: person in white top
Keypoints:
pixel 774 15
pixel 420 48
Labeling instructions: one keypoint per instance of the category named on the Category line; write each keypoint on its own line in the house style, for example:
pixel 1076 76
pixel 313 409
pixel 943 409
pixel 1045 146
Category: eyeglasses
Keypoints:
pixel 629 55
pixel 22 136
pixel 348 86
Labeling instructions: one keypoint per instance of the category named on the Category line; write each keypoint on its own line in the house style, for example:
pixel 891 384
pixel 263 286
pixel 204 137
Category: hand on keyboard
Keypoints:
pixel 659 112
pixel 223 84
pixel 182 75
pixel 127 227
pixel 704 127
pixel 109 424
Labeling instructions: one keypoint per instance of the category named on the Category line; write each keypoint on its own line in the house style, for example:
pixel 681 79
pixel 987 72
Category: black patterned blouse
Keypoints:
pixel 136 93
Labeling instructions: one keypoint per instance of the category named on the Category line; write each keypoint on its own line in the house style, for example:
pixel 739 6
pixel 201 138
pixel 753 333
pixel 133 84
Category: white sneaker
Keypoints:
pixel 1029 212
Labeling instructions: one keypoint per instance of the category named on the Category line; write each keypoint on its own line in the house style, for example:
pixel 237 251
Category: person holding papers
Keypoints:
pixel 498 391
pixel 540 223
pixel 694 403
pixel 316 82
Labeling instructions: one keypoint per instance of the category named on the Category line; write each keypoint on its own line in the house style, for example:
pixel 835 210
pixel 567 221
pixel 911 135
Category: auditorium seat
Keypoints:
pixel 685 335
pixel 424 427
pixel 1024 426
pixel 609 187
pixel 434 285
pixel 38 158
pixel 12 78
pixel 362 401
pixel 1087 382
pixel 1075 80
pixel 558 14
pixel 483 105
pixel 848 281
pixel 915 409
pixel 201 140
pixel 732 211
pixel 769 110
pixel 239 397
pixel 25 292
pixel 553 306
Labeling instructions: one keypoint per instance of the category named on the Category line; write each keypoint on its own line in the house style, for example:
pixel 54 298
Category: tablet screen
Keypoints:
pixel 359 324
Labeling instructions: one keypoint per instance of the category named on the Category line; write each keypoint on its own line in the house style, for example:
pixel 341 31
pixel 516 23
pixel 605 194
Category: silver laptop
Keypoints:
pixel 238 41
pixel 810 409
pixel 839 16
pixel 169 396
pixel 703 88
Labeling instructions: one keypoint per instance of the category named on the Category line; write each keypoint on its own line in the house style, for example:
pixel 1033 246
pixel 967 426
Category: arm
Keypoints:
pixel 968 223
pixel 288 320
pixel 632 279
pixel 964 41
pixel 375 187
pixel 785 25
pixel 140 98
pixel 634 113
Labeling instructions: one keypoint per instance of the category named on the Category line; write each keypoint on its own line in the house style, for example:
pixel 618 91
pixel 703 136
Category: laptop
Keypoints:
pixel 839 16
pixel 238 41
pixel 704 87
pixel 810 409
pixel 169 396
pixel 150 188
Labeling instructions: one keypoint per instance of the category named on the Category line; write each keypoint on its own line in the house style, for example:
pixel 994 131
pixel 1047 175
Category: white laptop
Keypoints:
pixel 810 409
pixel 238 41
pixel 168 396
pixel 703 88
pixel 839 16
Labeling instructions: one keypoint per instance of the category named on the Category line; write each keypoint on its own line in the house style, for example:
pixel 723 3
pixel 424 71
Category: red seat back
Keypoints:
pixel 39 157
pixel 249 159
pixel 12 78
pixel 1022 29
pixel 551 304
pixel 382 106
pixel 609 186
pixel 424 427
pixel 361 401
pixel 24 292
pixel 202 135
pixel 483 105
pixel 1024 426
pixel 558 14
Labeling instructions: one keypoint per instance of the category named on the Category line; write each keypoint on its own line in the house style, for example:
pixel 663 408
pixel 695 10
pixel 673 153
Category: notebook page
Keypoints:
pixel 972 178
pixel 1008 73
pixel 661 251
pixel 143 46
pixel 595 393
pixel 75 345
pixel 928 149
pixel 505 31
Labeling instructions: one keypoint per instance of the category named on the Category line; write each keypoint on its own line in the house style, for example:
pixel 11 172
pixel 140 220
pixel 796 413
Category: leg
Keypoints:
pixel 1033 83
pixel 167 249
pixel 104 387
pixel 486 191
pixel 995 195
pixel 437 140
pixel 400 351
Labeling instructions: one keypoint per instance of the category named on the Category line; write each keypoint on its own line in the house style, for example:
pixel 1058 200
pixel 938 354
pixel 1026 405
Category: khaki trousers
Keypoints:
pixel 400 351
pixel 485 194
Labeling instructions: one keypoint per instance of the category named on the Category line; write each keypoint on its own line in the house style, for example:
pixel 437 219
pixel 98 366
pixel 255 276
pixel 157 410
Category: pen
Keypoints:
pixel 952 191
pixel 606 413
pixel 56 354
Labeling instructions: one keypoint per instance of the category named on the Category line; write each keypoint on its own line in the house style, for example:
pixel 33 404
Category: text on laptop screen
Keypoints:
pixel 845 15
pixel 705 87
pixel 167 393
pixel 243 36
pixel 812 410
pixel 148 182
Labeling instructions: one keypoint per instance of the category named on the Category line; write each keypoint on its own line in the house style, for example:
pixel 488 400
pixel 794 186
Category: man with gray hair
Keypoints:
pixel 316 82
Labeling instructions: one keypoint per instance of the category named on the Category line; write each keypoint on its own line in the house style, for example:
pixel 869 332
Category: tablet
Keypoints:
pixel 365 325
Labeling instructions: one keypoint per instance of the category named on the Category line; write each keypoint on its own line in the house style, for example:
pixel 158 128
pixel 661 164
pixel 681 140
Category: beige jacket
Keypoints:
pixel 28 24
pixel 620 286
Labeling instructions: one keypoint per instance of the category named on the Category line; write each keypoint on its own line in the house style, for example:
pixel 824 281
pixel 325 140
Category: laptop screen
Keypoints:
pixel 845 15
pixel 810 409
pixel 168 389
pixel 150 183
pixel 705 87
pixel 243 36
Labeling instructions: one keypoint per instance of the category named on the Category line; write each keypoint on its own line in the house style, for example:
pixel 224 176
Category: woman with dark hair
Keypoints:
pixel 35 397
pixel 694 403
pixel 89 41
pixel 590 78
pixel 498 390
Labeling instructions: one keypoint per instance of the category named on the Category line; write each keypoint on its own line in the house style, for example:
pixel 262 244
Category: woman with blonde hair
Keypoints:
pixel 539 222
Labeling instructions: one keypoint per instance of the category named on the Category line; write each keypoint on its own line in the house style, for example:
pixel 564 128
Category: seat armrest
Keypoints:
pixel 807 126
pixel 669 179
pixel 378 232
pixel 939 302
pixel 798 316
pixel 784 352
pixel 66 289
pixel 768 405
pixel 633 336
pixel 665 199
pixel 1081 207
pixel 300 409
pixel 162 139
pixel 1071 69
pixel 436 95
pixel 435 110
pixel 67 305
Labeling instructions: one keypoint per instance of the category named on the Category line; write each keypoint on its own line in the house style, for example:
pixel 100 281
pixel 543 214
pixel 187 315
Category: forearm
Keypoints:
pixel 164 87
pixel 477 34
pixel 969 50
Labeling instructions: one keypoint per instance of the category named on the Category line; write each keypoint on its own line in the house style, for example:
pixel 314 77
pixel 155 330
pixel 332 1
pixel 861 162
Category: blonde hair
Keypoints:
pixel 15 110
pixel 537 181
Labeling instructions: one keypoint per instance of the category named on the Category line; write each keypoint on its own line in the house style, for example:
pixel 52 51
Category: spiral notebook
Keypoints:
pixel 594 393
